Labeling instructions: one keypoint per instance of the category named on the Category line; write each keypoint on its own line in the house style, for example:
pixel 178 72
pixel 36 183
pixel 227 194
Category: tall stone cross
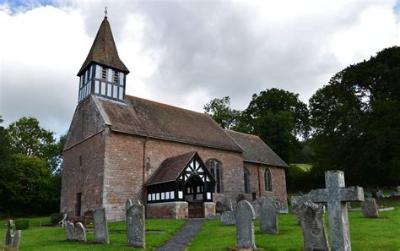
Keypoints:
pixel 336 196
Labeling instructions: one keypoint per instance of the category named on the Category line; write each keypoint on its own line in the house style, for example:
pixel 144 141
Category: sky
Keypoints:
pixel 184 53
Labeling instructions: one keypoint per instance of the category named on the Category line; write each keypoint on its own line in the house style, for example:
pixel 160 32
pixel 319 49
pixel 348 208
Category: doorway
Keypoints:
pixel 194 196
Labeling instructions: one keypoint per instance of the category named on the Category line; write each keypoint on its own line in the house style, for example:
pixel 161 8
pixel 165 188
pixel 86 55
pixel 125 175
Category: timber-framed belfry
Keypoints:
pixel 178 162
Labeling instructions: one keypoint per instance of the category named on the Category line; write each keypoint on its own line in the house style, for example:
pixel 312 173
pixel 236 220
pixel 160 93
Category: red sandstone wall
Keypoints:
pixel 86 178
pixel 124 168
pixel 123 173
pixel 278 182
pixel 232 163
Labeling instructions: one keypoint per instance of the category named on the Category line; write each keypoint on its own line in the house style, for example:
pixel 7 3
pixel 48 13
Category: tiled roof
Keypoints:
pixel 170 168
pixel 255 150
pixel 104 51
pixel 152 119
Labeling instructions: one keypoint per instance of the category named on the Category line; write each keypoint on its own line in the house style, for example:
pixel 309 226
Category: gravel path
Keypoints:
pixel 181 239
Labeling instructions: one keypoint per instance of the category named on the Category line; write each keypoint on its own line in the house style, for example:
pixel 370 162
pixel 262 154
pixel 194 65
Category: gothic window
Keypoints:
pixel 215 168
pixel 268 180
pixel 246 181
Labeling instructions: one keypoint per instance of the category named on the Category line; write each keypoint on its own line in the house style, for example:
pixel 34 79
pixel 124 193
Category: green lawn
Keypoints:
pixel 44 238
pixel 366 234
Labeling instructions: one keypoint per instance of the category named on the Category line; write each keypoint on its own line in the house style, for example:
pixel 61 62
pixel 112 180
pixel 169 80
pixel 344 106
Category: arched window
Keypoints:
pixel 246 181
pixel 268 180
pixel 215 168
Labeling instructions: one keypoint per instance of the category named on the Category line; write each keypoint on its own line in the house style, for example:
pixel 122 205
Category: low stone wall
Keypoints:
pixel 209 209
pixel 168 210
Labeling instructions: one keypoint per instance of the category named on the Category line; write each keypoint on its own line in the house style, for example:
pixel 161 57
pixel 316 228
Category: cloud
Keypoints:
pixel 185 52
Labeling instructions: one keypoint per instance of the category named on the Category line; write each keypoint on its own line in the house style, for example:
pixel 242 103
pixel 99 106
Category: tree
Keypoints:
pixel 279 118
pixel 25 185
pixel 31 176
pixel 355 121
pixel 28 138
pixel 220 111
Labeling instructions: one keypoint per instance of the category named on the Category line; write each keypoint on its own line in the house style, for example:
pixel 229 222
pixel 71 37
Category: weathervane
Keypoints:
pixel 105 11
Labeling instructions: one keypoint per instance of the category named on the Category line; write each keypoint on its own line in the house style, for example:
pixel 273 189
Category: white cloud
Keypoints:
pixel 185 52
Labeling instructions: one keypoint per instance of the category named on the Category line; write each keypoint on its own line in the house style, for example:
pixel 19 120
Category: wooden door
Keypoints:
pixel 196 210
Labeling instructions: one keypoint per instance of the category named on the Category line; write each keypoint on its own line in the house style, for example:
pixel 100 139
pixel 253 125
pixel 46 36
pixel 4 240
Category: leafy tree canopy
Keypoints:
pixel 220 111
pixel 279 118
pixel 27 137
pixel 356 121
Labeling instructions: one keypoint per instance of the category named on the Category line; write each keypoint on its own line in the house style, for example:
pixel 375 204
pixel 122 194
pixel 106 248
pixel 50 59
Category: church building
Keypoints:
pixel 178 162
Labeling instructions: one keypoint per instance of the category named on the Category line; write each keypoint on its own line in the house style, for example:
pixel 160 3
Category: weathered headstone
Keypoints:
pixel 80 232
pixel 268 216
pixel 100 226
pixel 256 205
pixel 13 237
pixel 228 218
pixel 244 225
pixel 70 230
pixel 311 218
pixel 336 195
pixel 10 232
pixel 370 208
pixel 128 204
pixel 135 224
pixel 16 240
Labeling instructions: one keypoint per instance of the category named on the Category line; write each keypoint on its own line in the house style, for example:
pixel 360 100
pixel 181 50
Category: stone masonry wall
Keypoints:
pixel 278 182
pixel 232 163
pixel 85 177
pixel 168 210
pixel 123 173
pixel 124 168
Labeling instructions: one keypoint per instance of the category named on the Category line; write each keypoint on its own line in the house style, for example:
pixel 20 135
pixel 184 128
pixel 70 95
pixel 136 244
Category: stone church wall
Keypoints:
pixel 232 163
pixel 123 173
pixel 257 172
pixel 124 168
pixel 83 173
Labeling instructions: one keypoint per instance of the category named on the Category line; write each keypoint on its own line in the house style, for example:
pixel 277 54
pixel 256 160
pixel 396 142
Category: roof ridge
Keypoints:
pixel 165 104
pixel 244 133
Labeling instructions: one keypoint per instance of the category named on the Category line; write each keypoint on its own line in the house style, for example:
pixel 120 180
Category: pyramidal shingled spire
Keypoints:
pixel 103 51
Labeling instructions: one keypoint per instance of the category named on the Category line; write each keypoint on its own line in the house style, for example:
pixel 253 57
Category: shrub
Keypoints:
pixel 56 218
pixel 21 224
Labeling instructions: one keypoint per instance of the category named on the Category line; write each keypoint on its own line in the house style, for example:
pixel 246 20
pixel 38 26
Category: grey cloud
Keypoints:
pixel 211 46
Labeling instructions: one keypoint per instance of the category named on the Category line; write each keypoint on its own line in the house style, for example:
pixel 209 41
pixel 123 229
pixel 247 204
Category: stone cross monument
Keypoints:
pixel 336 196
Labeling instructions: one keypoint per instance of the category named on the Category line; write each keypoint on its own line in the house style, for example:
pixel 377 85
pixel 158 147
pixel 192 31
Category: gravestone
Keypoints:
pixel 16 240
pixel 311 219
pixel 80 232
pixel 335 195
pixel 13 237
pixel 70 229
pixel 268 216
pixel 135 224
pixel 244 225
pixel 228 218
pixel 100 226
pixel 256 205
pixel 370 208
pixel 10 232
pixel 379 194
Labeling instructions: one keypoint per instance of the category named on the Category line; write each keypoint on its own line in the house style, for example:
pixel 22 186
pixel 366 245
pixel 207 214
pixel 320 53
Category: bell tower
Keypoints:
pixel 103 73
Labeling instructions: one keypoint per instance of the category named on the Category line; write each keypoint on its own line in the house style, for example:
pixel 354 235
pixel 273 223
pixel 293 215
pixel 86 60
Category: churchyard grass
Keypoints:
pixel 381 234
pixel 53 238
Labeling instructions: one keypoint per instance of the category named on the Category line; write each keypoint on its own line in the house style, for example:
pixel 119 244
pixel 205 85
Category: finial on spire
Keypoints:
pixel 105 12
